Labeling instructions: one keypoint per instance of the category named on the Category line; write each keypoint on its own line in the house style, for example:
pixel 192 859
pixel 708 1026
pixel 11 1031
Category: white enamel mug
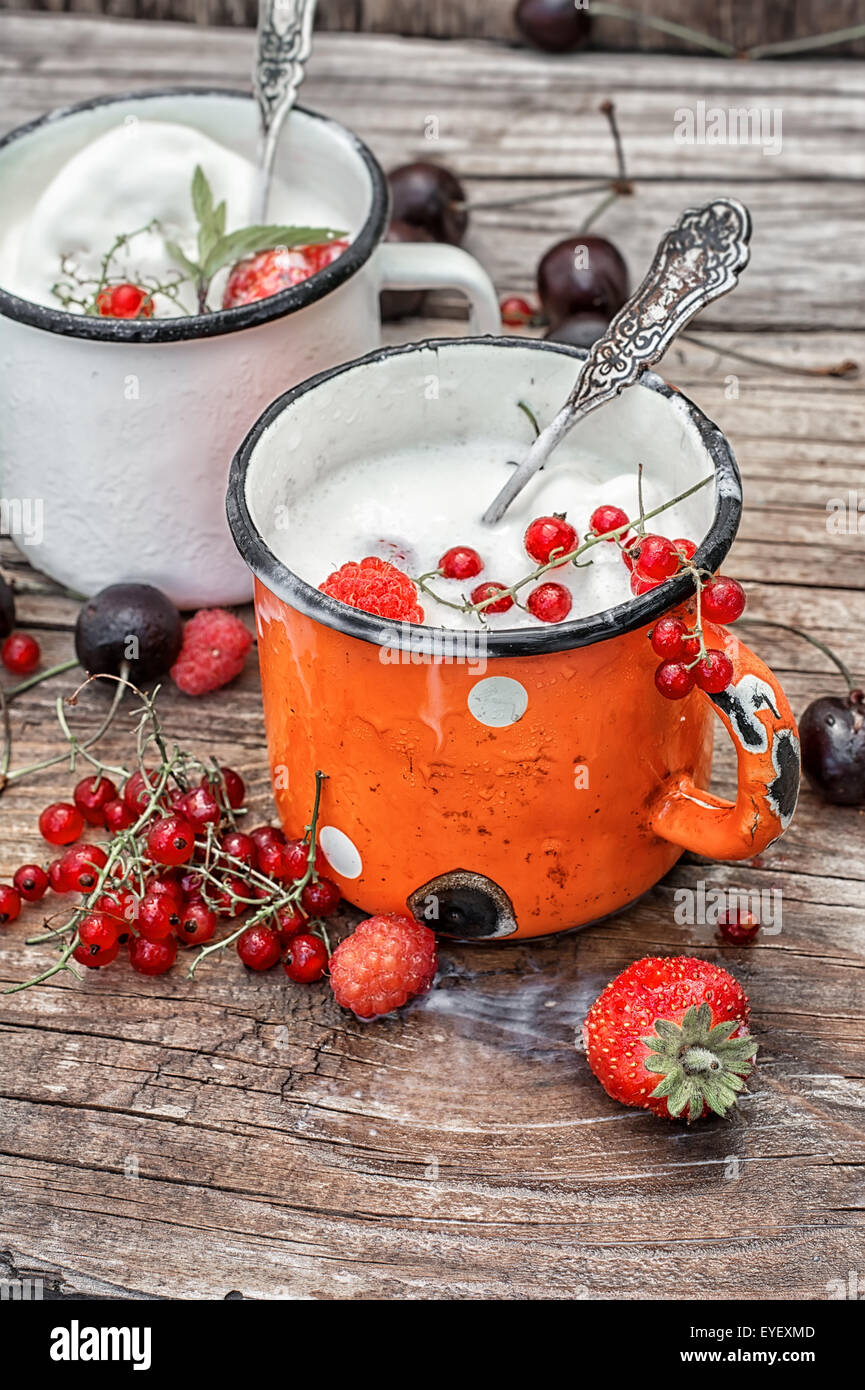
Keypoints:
pixel 123 430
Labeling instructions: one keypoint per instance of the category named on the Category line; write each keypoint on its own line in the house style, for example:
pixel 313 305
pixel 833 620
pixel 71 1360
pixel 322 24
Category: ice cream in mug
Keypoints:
pixel 136 178
pixel 411 508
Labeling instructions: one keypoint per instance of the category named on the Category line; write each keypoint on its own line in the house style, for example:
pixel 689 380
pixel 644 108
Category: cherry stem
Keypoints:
pixel 75 747
pixel 665 26
pixel 608 109
pixel 599 208
pixel 840 369
pixel 523 199
pixel 776 50
pixel 821 646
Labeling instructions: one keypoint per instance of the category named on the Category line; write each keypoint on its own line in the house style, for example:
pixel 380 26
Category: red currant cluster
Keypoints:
pixel 546 538
pixel 176 863
pixel 685 660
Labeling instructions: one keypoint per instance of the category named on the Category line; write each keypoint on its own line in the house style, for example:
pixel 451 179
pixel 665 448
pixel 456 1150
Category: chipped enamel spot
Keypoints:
pixel 341 853
pixel 498 701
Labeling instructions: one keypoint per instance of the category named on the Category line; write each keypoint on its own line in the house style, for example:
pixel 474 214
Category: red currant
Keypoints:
pixel 31 882
pixel 673 680
pixel 627 552
pixel 640 583
pixel 61 823
pixel 191 885
pixel 460 562
pixel 239 846
pixel 98 940
pixel 201 808
pixel 738 927
pixel 92 795
pixel 549 602
pixel 80 867
pixel 668 638
pixel 118 815
pixel 119 904
pixel 197 923
pixel 723 600
pixel 20 653
pixel 171 840
pixel 484 591
pixel 267 834
pixel 516 312
pixel 715 672
pixel 10 903
pixel 655 557
pixel 229 786
pixel 548 536
pixel 57 878
pixel 320 897
pixel 687 549
pixel 289 921
pixel 138 790
pixel 259 947
pixel 270 859
pixel 152 957
pixel 163 886
pixel 125 302
pixel 296 859
pixel 157 916
pixel 231 897
pixel 307 959
pixel 606 519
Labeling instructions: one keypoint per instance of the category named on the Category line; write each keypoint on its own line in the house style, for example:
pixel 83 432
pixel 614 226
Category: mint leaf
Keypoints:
pixel 182 260
pixel 249 240
pixel 202 197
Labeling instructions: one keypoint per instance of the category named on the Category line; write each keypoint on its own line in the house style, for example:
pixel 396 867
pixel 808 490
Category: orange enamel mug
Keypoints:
pixel 541 783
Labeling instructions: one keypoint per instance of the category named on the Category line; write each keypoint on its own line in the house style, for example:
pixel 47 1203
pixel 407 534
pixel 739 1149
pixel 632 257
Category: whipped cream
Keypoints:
pixel 409 507
pixel 136 172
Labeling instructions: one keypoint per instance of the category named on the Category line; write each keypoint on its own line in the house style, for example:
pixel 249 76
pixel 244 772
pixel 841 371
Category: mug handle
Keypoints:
pixel 759 720
pixel 433 266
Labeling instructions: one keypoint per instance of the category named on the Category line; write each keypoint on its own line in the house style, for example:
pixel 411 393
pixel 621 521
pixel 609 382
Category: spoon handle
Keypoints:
pixel 284 43
pixel 697 261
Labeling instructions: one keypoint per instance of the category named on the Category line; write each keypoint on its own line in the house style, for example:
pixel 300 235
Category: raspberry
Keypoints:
pixel 268 272
pixel 384 963
pixel 214 651
pixel 375 586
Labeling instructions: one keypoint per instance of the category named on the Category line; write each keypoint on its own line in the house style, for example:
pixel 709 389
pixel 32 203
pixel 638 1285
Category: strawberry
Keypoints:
pixel 679 1019
pixel 268 272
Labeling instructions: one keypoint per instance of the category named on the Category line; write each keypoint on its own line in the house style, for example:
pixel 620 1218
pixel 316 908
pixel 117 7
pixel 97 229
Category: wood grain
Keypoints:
pixel 161 1138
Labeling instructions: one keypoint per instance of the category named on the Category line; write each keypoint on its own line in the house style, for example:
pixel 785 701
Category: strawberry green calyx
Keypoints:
pixel 700 1065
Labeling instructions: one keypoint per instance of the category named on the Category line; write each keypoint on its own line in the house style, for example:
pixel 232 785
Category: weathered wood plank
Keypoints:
pixel 763 21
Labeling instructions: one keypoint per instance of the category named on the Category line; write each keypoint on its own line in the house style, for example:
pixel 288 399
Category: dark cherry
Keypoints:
pixel 428 196
pixel 579 330
pixel 582 274
pixel 134 622
pixel 832 731
pixel 400 304
pixel 7 609
pixel 556 26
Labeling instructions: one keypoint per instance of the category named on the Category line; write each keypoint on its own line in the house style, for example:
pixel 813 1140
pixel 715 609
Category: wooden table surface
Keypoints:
pixel 167 1138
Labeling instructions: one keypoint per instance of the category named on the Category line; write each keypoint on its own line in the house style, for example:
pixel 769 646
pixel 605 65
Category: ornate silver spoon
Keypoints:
pixel 283 46
pixel 698 260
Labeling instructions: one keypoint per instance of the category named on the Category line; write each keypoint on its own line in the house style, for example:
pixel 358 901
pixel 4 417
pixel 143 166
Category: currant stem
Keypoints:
pixel 40 676
pixel 558 560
